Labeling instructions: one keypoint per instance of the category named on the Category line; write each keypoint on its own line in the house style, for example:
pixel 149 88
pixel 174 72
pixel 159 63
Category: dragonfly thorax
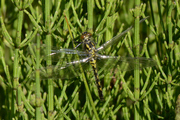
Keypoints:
pixel 87 42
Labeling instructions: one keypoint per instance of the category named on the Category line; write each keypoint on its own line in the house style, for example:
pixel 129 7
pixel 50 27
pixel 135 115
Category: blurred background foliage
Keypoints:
pixel 25 23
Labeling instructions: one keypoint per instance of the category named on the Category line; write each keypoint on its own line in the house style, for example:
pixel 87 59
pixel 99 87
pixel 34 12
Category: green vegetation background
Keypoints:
pixel 150 93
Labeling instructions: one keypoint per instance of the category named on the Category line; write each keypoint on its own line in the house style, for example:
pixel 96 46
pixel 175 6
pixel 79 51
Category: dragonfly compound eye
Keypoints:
pixel 85 35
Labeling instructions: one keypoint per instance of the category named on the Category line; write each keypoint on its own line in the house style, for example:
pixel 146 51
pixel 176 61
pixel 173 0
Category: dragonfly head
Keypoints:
pixel 85 36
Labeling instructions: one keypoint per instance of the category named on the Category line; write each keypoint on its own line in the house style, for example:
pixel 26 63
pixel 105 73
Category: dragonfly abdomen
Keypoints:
pixel 90 48
pixel 93 64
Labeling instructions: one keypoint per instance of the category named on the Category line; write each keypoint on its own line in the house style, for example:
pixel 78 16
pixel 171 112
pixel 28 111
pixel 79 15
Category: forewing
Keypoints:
pixel 56 53
pixel 115 39
pixel 70 54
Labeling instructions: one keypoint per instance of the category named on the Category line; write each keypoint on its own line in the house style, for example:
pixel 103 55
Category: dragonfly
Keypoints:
pixel 69 61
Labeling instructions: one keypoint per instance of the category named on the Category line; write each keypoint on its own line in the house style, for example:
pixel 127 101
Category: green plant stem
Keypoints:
pixel 19 28
pixel 16 64
pixel 38 94
pixel 169 27
pixel 90 4
pixel 136 72
pixel 17 42
pixel 90 98
pixel 19 93
pixel 109 31
pixel 15 83
pixel 49 62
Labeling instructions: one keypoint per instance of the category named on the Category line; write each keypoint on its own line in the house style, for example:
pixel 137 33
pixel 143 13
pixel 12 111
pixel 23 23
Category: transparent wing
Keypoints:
pixel 68 51
pixel 57 53
pixel 116 38
pixel 69 54
pixel 67 63
pixel 65 70
pixel 123 63
pixel 104 63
